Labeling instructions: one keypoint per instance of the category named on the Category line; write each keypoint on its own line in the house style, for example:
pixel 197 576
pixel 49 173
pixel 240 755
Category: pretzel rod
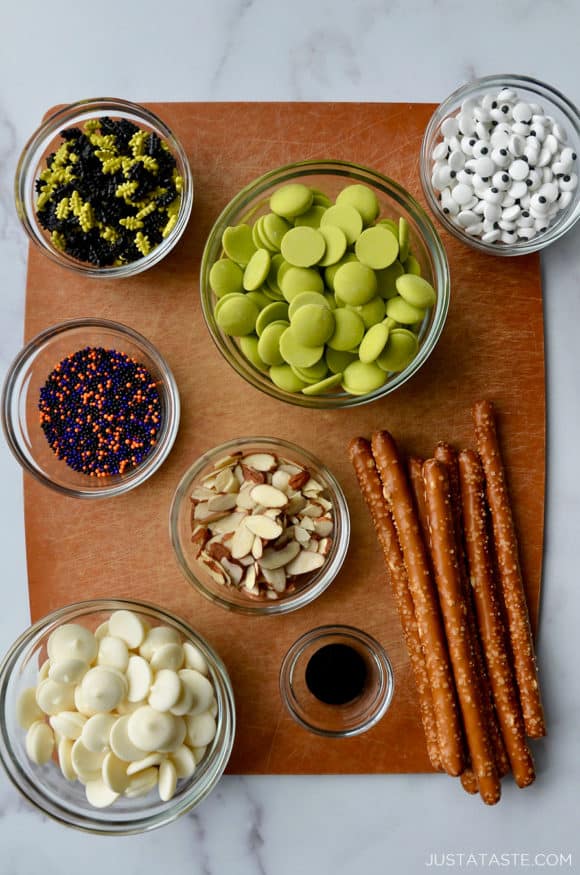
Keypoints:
pixel 425 601
pixel 370 486
pixel 469 781
pixel 454 610
pixel 510 575
pixel 447 454
pixel 415 470
pixel 490 618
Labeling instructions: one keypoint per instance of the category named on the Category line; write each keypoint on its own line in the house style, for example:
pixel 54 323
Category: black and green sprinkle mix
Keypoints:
pixel 110 193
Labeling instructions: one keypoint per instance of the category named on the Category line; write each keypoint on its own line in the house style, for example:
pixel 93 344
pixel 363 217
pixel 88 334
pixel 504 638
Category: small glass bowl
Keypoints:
pixel 528 89
pixel 337 721
pixel 65 801
pixel 46 139
pixel 21 393
pixel 331 177
pixel 228 596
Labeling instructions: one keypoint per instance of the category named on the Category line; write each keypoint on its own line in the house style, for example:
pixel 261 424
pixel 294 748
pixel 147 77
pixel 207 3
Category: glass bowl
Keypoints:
pixel 65 801
pixel 46 140
pixel 229 596
pixel 21 392
pixel 531 90
pixel 346 718
pixel 330 177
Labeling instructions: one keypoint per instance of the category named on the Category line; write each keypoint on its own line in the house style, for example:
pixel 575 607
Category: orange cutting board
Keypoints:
pixel 492 346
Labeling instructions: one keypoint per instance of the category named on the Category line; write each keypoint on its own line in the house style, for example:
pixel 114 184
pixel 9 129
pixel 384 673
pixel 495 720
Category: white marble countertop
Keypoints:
pixel 305 50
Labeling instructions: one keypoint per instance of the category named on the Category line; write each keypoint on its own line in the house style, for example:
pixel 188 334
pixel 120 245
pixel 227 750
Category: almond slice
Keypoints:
pixel 227 501
pixel 249 579
pixel 261 461
pixel 298 480
pixel 226 481
pixel 280 479
pixel 235 571
pixel 269 496
pixel 227 461
pixel 239 474
pixel 217 550
pixel 323 526
pixel 201 493
pixel 242 542
pixel 245 499
pixel 301 534
pixel 313 487
pixel 198 540
pixel 227 523
pixel 276 578
pixel 257 548
pixel 279 558
pixel 295 505
pixel 290 469
pixel 203 513
pixel 264 527
pixel 307 523
pixel 312 509
pixel 306 562
pixel 252 474
pixel 215 570
pixel 324 546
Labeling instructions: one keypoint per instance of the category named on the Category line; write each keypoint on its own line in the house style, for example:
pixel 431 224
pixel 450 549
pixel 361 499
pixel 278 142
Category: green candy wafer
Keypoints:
pixel 313 374
pixel 335 240
pixel 355 283
pixel 257 270
pixel 275 312
pixel 284 377
pixel 259 298
pixel 236 315
pixel 416 291
pixel 363 199
pixel 337 360
pixel 291 200
pixel 373 343
pixel 330 272
pixel 399 310
pixel 273 228
pixel 296 353
pixel 249 347
pixel 371 312
pixel 360 378
pixel 411 265
pixel 311 217
pixel 348 330
pixel 403 239
pixel 303 246
pixel 377 247
pixel 269 343
pixel 345 217
pixel 400 350
pixel 238 244
pixel 293 280
pixel 225 277
pixel 313 324
pixel 307 298
pixel 323 386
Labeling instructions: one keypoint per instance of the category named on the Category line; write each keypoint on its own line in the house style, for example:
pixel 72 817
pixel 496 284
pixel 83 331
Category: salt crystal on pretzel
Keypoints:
pixel 371 488
pixel 510 576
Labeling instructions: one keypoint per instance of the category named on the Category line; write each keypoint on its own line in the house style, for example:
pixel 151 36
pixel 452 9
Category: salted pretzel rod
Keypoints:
pixel 510 575
pixel 415 471
pixel 372 491
pixel 425 601
pixel 469 781
pixel 447 454
pixel 454 610
pixel 489 615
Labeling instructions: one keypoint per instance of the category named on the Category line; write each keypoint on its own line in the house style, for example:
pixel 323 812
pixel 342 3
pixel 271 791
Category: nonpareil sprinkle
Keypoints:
pixel 110 193
pixel 100 411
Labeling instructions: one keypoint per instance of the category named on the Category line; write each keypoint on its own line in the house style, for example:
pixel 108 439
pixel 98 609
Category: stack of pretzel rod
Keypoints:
pixel 459 592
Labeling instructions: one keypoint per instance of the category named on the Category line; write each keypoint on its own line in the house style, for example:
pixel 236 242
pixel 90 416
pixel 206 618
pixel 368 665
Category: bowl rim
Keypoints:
pixel 48 130
pixel 125 827
pixel 152 461
pixel 296 600
pixel 431 241
pixel 557 229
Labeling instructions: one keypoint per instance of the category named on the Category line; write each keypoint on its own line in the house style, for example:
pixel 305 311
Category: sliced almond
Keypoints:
pixel 324 546
pixel 215 570
pixel 312 509
pixel 295 505
pixel 217 551
pixel 279 558
pixel 227 461
pixel 307 523
pixel 201 493
pixel 252 475
pixel 298 480
pixel 227 523
pixel 305 563
pixel 261 461
pixel 290 469
pixel 239 474
pixel 264 527
pixel 249 579
pixel 245 499
pixel 227 501
pixel 280 479
pixel 226 481
pixel 246 560
pixel 301 535
pixel 323 526
pixel 235 571
pixel 242 542
pixel 312 487
pixel 272 512
pixel 269 496
pixel 326 504
pixel 276 578
pixel 198 539
pixel 203 513
pixel 257 548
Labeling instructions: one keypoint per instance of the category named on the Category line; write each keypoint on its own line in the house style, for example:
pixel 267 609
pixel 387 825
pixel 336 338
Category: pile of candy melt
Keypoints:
pixel 503 170
pixel 127 708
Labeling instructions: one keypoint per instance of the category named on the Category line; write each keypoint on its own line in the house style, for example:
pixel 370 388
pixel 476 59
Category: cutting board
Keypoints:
pixel 492 346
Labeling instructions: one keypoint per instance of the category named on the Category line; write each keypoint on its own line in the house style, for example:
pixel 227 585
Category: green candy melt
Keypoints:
pixel 303 246
pixel 275 312
pixel 323 386
pixel 346 218
pixel 399 310
pixel 416 291
pixel 238 244
pixel 373 343
pixel 348 330
pixel 338 360
pixel 363 199
pixel 257 270
pixel 296 353
pixel 360 378
pixel 269 343
pixel 377 247
pixel 249 347
pixel 400 350
pixel 237 315
pixel 355 283
pixel 313 324
pixel 284 377
pixel 291 200
pixel 225 277
pixel 313 374
pixel 307 298
pixel 335 240
pixel 294 280
pixel 403 239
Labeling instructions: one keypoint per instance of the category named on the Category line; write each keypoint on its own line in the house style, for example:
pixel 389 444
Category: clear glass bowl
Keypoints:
pixel 46 139
pixel 21 393
pixel 228 596
pixel 531 90
pixel 351 718
pixel 65 801
pixel 331 177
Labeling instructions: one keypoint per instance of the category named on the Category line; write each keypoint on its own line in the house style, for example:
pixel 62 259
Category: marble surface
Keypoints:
pixel 259 50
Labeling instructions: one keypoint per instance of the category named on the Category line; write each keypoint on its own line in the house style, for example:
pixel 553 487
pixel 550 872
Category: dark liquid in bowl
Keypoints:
pixel 336 674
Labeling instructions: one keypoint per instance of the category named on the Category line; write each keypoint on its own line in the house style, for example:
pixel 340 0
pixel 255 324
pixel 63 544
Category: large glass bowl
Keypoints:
pixel 65 801
pixel 21 393
pixel 230 597
pixel 331 177
pixel 533 91
pixel 46 140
